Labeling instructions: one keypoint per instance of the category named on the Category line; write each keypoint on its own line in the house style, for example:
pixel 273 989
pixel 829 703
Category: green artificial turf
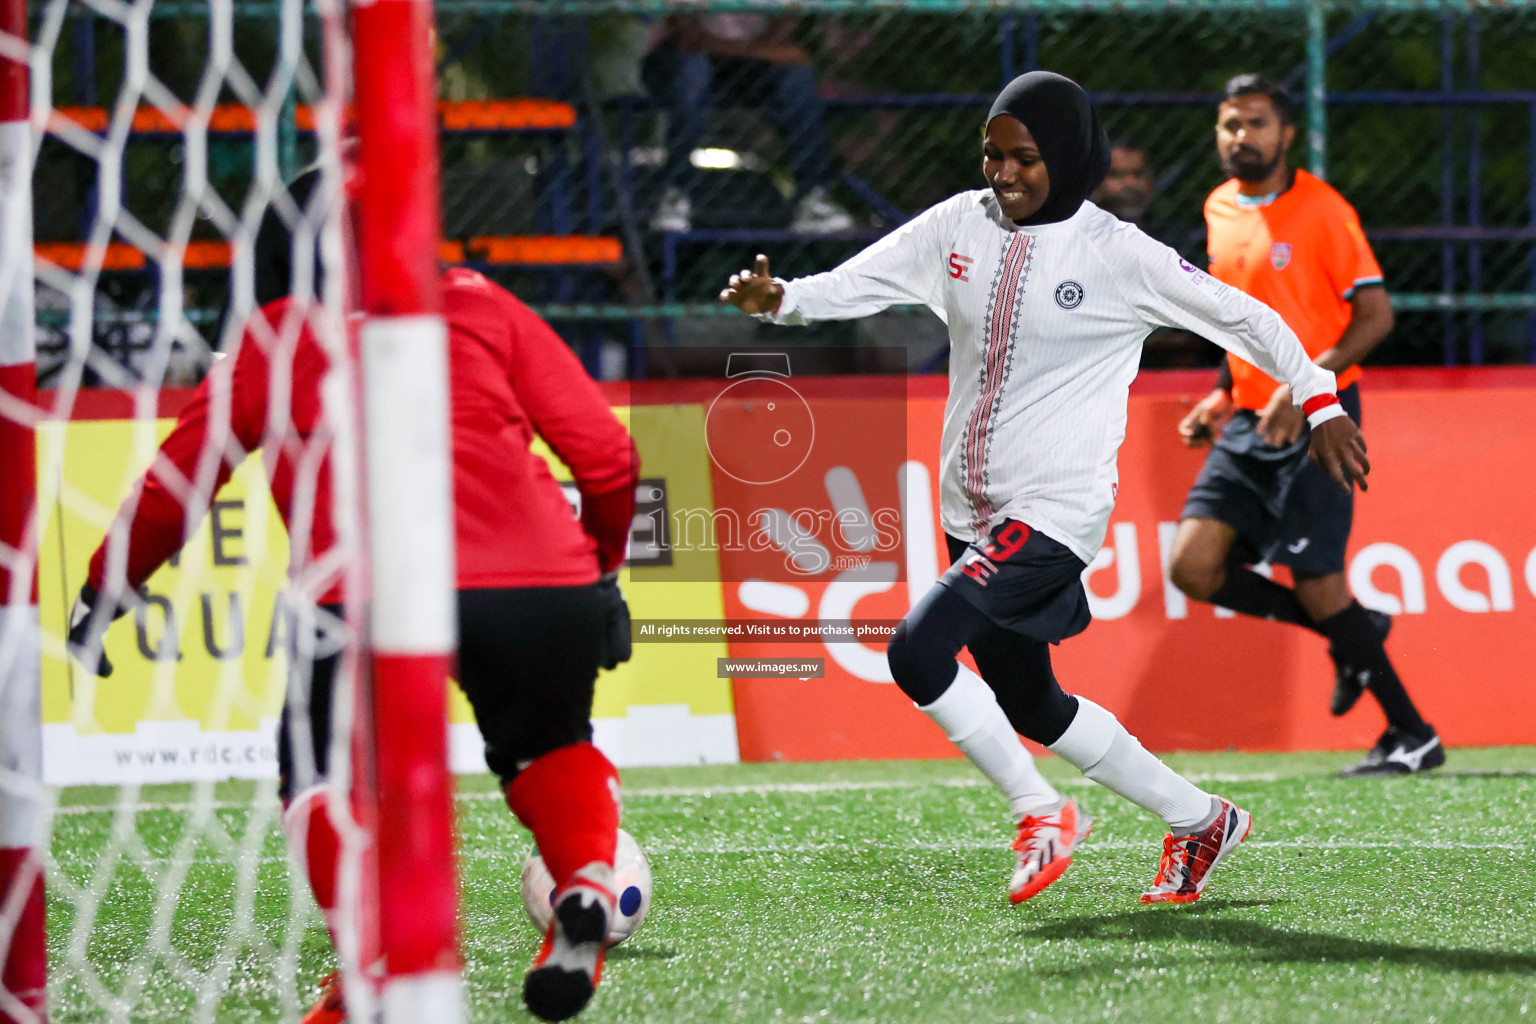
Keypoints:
pixel 875 892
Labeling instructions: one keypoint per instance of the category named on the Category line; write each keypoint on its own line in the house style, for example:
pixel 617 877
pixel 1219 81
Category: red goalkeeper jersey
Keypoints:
pixel 512 378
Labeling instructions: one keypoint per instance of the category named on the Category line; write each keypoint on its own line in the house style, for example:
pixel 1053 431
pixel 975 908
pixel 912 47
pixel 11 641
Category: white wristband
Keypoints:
pixel 1328 412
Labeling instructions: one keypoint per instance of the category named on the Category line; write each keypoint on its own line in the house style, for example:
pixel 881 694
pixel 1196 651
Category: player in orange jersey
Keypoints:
pixel 1288 239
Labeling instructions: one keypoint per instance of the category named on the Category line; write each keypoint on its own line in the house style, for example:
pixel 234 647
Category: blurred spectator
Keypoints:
pixel 741 59
pixel 1127 192
pixel 616 47
pixel 1130 186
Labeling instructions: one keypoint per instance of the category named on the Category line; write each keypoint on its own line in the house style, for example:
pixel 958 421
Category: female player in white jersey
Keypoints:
pixel 1047 299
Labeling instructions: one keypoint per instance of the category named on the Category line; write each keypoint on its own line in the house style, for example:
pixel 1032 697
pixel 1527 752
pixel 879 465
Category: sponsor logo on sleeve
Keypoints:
pixel 1195 273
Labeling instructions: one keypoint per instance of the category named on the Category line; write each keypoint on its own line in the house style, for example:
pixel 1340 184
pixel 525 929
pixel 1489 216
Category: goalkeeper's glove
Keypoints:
pixel 615 647
pixel 88 624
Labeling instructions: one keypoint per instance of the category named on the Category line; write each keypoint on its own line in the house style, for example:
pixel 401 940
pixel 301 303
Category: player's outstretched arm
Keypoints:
pixel 1170 292
pixel 754 291
pixel 1339 447
pixel 905 266
pixel 151 525
pixel 1202 424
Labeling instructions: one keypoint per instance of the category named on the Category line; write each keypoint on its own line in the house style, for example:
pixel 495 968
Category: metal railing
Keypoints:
pixel 1420 111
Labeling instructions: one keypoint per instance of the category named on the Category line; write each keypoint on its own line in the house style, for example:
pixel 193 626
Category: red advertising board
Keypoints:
pixel 1445 539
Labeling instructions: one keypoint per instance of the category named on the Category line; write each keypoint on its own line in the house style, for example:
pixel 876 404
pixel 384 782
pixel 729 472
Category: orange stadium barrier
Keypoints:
pixel 545 250
pixel 71 255
pixel 1444 539
pixel 512 115
pixel 226 117
pixel 505 115
pixel 501 251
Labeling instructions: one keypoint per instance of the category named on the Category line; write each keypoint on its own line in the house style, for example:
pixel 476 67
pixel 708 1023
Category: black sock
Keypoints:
pixel 1357 642
pixel 1247 592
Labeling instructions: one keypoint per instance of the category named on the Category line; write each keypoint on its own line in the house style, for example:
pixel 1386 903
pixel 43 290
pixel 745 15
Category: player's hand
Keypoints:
pixel 755 290
pixel 1206 419
pixel 88 623
pixel 616 646
pixel 1339 447
pixel 1281 421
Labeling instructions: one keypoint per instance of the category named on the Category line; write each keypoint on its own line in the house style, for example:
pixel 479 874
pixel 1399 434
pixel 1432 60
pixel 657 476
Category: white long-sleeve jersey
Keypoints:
pixel 1045 328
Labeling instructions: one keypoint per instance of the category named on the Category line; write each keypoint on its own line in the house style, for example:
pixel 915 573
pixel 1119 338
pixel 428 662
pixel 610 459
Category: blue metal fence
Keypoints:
pixel 1422 111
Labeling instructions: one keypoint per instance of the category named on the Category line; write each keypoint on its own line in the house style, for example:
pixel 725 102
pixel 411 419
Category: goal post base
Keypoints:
pixel 438 997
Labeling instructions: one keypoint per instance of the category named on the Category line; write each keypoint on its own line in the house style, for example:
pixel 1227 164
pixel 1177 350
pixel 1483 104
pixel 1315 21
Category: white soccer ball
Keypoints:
pixel 631 880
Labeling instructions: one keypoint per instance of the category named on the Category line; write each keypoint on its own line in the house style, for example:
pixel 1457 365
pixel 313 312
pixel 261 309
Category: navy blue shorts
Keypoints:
pixel 1022 580
pixel 1285 508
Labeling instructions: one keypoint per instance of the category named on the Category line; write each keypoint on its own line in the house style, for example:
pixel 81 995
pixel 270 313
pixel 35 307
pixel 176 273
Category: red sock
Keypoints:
pixel 569 799
pixel 313 839
pixel 25 973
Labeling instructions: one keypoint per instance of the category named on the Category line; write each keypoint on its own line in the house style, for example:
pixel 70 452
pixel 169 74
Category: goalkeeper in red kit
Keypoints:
pixel 539 610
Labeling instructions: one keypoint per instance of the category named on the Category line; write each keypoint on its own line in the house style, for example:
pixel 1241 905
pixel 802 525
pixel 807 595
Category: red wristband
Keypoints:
pixel 1317 402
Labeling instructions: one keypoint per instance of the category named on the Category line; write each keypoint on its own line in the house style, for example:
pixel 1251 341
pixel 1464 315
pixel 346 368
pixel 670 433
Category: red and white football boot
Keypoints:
pixel 570 962
pixel 329 1008
pixel 1189 860
pixel 1044 846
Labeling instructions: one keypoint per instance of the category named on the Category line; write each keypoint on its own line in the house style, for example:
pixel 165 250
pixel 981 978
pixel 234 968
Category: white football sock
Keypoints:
pixel 1099 746
pixel 969 714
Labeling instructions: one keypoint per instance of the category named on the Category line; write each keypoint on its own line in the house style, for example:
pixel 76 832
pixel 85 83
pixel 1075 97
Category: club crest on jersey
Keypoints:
pixel 1280 255
pixel 1069 295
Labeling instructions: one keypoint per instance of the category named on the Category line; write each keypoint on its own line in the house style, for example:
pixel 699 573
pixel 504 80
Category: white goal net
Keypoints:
pixel 158 139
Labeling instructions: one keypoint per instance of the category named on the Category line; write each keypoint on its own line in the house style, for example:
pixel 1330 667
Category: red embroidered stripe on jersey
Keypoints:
pixel 998 343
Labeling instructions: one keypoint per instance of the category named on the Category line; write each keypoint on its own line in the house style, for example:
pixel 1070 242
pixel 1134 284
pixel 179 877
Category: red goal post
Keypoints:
pixel 409 506
pixel 23 960
pixel 409 895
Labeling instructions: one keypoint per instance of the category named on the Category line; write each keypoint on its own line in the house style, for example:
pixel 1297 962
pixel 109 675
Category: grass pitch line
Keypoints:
pixel 852 785
pixel 1108 845
pixel 663 792
pixel 494 796
pixel 660 792
pixel 174 808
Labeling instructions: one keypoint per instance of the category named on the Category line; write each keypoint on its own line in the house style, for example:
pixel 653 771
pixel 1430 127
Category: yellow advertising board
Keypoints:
pixel 200 670
pixel 199 667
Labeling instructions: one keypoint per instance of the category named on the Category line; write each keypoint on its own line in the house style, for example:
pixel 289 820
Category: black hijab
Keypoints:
pixel 1072 143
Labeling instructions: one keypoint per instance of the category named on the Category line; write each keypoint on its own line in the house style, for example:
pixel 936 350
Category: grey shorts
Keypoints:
pixel 1022 580
pixel 1285 508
